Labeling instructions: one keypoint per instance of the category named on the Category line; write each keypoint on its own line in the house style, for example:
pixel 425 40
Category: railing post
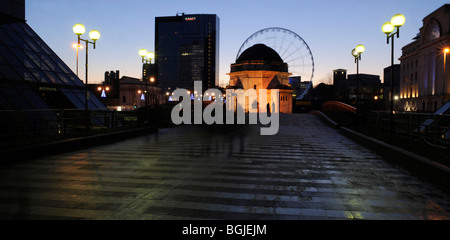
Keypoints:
pixel 409 126
pixel 435 129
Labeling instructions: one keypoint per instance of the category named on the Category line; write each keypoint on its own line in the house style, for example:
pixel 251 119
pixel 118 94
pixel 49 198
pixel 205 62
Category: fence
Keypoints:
pixel 22 124
pixel 434 129
pixel 339 106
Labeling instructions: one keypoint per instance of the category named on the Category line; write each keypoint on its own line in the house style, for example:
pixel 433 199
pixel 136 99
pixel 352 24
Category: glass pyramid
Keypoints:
pixel 33 79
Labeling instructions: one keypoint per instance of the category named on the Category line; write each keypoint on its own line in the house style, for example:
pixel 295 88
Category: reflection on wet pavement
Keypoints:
pixel 306 171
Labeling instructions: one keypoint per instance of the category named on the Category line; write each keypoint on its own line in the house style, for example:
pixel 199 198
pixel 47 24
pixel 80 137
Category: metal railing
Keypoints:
pixel 433 129
pixel 23 124
pixel 338 106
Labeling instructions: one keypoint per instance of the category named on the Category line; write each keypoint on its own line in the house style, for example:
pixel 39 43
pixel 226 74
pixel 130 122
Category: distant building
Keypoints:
pixel 339 76
pixel 126 93
pixel 423 86
pixel 345 86
pixel 261 67
pixel 387 82
pixel 187 50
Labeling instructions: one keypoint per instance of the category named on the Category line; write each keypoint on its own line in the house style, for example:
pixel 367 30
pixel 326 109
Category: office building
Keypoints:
pixel 187 50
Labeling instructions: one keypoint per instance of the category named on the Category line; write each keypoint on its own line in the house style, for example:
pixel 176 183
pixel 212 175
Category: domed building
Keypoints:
pixel 261 67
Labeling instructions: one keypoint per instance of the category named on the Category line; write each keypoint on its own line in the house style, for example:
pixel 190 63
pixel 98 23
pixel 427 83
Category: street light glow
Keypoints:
pixel 94 35
pixel 143 52
pixel 446 50
pixel 77 45
pixel 360 48
pixel 79 29
pixel 398 20
pixel 150 55
pixel 387 28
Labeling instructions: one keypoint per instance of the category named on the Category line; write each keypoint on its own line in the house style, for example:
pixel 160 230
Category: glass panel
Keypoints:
pixel 25 74
pixel 17 28
pixel 8 72
pixel 18 40
pixel 50 63
pixel 61 64
pixel 97 102
pixel 76 80
pixel 81 95
pixel 9 56
pixel 33 97
pixel 15 98
pixel 32 44
pixel 73 98
pixel 37 60
pixel 40 76
pixel 5 39
pixel 44 46
pixel 65 79
pixel 24 59
pixel 53 78
pixel 28 29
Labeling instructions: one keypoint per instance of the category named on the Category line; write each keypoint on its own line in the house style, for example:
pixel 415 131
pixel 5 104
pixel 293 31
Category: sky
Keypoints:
pixel 330 28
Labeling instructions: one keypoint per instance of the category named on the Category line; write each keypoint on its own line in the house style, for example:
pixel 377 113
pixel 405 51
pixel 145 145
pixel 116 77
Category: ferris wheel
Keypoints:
pixel 292 49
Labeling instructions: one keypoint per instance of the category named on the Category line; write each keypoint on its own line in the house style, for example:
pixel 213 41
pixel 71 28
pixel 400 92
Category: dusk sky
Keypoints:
pixel 330 28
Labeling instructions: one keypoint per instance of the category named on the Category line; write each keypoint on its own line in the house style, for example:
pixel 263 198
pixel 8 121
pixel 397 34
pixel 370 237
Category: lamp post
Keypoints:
pixel 356 52
pixel 79 30
pixel 77 46
pixel 388 28
pixel 146 59
pixel 444 90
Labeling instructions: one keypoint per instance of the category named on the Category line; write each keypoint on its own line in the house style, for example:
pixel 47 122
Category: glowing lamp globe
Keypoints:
pixel 150 55
pixel 143 52
pixel 387 27
pixel 79 29
pixel 94 35
pixel 360 48
pixel 355 53
pixel 398 20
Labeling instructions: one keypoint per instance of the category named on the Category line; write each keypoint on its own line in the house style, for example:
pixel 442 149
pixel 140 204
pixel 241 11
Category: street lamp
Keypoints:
pixel 356 52
pixel 77 46
pixel 444 90
pixel 388 28
pixel 146 59
pixel 79 30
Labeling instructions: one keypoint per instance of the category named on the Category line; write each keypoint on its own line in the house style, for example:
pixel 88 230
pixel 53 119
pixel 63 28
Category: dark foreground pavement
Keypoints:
pixel 306 171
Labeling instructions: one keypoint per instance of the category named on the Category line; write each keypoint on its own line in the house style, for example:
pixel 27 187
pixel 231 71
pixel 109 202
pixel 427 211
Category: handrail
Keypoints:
pixel 339 106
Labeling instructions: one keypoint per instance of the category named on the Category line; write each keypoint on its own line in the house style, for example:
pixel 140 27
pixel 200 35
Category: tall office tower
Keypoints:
pixel 187 50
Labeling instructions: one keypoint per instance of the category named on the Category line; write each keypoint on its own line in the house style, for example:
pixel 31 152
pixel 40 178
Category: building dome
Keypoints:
pixel 259 52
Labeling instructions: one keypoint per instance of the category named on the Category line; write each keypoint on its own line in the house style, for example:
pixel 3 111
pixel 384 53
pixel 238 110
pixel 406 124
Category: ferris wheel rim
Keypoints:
pixel 241 49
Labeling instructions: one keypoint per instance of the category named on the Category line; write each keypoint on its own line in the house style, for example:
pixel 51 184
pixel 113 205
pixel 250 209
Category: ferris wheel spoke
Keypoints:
pixel 291 48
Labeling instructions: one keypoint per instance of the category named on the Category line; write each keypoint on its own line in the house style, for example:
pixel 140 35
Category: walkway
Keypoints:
pixel 307 171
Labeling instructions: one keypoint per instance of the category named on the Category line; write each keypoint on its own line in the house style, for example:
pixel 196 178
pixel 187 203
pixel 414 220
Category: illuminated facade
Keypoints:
pixel 423 84
pixel 260 67
pixel 187 50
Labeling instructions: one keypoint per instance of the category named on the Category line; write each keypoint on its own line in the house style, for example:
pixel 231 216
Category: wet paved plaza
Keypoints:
pixel 306 171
